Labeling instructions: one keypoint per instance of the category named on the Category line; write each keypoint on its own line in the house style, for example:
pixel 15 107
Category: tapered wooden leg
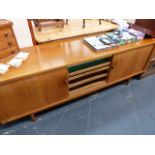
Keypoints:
pixel 66 21
pixel 139 77
pixel 100 21
pixel 33 117
pixel 84 23
pixel 128 81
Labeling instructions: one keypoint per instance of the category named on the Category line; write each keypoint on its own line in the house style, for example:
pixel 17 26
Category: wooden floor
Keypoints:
pixel 72 29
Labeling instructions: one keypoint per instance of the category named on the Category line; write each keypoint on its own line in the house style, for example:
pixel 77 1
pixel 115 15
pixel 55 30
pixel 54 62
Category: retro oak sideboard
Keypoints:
pixel 64 70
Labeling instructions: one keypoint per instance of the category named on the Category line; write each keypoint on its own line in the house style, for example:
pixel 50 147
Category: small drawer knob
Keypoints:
pixel 9 43
pixel 6 34
pixel 12 52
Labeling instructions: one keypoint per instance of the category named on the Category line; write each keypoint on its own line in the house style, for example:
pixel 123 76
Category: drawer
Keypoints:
pixel 90 72
pixel 88 80
pixel 6 33
pixel 9 43
pixel 88 64
pixel 8 52
pixel 85 74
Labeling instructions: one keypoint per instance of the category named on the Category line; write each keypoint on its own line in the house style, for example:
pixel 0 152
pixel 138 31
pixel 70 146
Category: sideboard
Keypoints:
pixel 61 71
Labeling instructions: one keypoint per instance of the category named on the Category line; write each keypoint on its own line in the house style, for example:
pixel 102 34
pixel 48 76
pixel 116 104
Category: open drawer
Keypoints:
pixel 88 73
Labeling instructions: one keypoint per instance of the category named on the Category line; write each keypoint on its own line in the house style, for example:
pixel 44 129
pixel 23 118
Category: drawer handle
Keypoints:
pixel 6 34
pixel 10 43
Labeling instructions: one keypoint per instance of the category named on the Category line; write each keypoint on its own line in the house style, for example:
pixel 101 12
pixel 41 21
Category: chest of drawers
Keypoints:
pixel 8 42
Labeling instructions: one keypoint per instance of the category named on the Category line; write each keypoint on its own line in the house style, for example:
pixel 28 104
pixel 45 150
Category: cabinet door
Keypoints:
pixel 129 63
pixel 19 98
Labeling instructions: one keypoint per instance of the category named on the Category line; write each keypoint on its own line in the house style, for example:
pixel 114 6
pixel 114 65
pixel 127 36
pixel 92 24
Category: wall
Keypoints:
pixel 132 21
pixel 22 33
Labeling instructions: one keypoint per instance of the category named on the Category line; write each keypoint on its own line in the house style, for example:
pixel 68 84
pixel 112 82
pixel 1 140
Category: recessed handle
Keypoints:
pixel 111 67
pixel 66 81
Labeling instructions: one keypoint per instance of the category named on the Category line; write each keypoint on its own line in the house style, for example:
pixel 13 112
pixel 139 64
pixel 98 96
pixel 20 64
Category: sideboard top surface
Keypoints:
pixel 58 54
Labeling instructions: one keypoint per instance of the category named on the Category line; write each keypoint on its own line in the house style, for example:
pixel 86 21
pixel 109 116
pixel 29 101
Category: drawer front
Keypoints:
pixel 8 52
pixel 83 66
pixel 6 33
pixel 9 43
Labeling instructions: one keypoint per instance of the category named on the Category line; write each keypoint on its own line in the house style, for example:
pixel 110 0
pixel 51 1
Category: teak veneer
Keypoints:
pixel 51 75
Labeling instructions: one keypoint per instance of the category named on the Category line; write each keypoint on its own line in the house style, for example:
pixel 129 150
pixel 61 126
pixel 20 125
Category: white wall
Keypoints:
pixel 132 21
pixel 22 32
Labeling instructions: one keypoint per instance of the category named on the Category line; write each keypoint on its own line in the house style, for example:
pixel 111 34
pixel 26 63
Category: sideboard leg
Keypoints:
pixel 84 23
pixel 128 81
pixel 140 77
pixel 66 21
pixel 33 117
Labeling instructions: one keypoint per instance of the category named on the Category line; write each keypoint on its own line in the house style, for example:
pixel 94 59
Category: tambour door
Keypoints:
pixel 20 97
pixel 129 63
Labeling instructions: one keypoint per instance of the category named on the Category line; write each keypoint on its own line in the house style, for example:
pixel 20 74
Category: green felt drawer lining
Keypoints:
pixel 88 64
